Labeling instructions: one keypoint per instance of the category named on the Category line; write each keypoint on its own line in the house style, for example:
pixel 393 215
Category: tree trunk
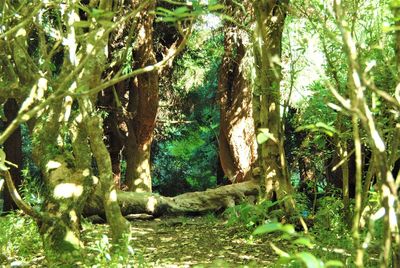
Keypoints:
pixel 270 17
pixel 237 143
pixel 68 185
pixel 13 150
pixel 68 175
pixel 143 105
pixel 195 202
pixel 113 126
pixel 93 125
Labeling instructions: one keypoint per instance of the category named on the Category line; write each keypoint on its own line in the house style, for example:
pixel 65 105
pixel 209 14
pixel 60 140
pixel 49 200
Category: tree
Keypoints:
pixel 142 105
pixel 60 101
pixel 363 117
pixel 237 143
pixel 267 40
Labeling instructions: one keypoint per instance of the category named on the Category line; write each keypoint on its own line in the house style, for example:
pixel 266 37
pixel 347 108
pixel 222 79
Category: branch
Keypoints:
pixel 22 23
pixel 150 68
pixel 25 115
pixel 25 207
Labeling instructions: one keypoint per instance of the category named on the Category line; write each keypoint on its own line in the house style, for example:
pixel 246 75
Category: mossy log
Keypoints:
pixel 194 202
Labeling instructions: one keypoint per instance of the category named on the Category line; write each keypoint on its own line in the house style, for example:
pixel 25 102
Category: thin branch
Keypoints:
pixel 22 23
pixel 25 207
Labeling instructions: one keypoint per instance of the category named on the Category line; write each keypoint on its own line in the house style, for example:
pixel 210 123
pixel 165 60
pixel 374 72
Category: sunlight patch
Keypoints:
pixel 67 190
pixel 86 172
pixel 151 204
pixel 113 196
pixel 21 32
pixel 95 180
pixel 138 181
pixel 70 237
pixel 73 216
pixel 52 165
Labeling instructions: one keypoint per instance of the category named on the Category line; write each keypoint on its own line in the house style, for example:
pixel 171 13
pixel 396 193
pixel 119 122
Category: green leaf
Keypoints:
pixel 303 241
pixel 268 228
pixel 82 24
pixel 215 7
pixel 288 228
pixel 320 126
pixel 264 135
pixel 308 259
pixel 99 13
pixel 161 10
pixel 181 10
pixel 261 138
pixel 167 19
pixel 327 128
pixel 334 263
pixel 284 256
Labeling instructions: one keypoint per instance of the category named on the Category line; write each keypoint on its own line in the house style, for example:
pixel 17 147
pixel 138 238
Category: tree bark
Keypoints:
pixel 237 143
pixel 114 126
pixel 68 185
pixel 270 18
pixel 143 105
pixel 195 202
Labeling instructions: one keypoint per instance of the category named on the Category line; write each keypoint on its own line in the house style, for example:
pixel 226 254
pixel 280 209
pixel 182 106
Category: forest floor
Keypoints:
pixel 204 241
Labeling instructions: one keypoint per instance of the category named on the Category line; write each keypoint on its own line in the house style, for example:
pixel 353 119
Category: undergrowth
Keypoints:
pixel 328 239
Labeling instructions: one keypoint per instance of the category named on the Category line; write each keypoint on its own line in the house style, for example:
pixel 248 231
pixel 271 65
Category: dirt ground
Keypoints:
pixel 198 242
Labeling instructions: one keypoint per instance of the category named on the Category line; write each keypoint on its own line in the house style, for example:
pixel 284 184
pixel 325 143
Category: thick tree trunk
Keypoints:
pixel 143 105
pixel 195 202
pixel 13 150
pixel 68 185
pixel 138 166
pixel 237 143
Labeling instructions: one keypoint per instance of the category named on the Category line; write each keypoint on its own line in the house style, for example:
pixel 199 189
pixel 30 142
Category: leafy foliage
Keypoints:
pixel 185 156
pixel 19 238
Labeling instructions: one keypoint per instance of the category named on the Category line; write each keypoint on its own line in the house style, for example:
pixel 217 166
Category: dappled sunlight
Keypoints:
pixel 21 33
pixel 269 185
pixel 151 204
pixel 67 190
pixel 52 165
pixel 272 107
pixel 71 238
pixel 86 172
pixel 137 182
pixel 183 242
pixel 113 196
pixel 271 173
pixel 73 216
pixel 95 180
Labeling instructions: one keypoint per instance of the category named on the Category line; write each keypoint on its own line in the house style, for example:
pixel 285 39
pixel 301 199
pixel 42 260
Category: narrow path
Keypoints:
pixel 197 242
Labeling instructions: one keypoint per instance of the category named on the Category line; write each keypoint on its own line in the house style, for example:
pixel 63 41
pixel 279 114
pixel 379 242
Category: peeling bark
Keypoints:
pixel 237 144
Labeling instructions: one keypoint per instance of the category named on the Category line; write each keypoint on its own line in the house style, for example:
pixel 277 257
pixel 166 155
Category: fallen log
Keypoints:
pixel 194 202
